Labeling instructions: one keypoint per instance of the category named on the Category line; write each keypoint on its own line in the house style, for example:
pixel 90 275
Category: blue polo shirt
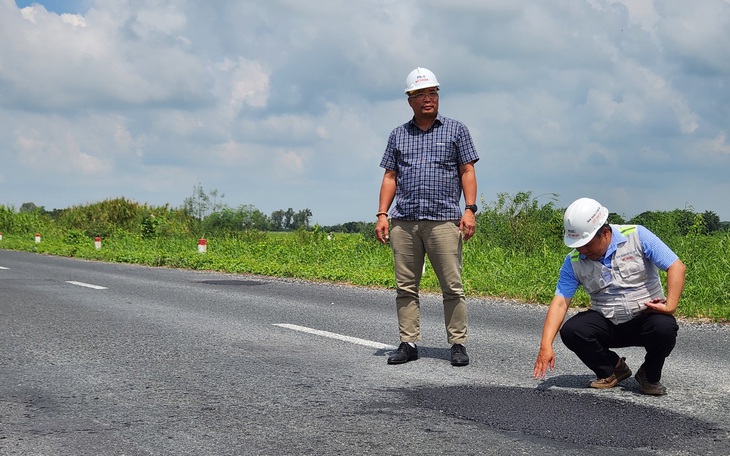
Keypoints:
pixel 654 249
pixel 428 183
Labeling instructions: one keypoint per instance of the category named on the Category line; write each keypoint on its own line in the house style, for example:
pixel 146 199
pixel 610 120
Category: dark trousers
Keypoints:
pixel 591 336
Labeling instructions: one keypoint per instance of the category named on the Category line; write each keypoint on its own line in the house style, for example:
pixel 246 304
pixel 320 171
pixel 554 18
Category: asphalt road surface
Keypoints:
pixel 110 359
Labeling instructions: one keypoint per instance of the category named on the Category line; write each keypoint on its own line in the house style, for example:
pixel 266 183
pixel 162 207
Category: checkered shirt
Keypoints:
pixel 428 184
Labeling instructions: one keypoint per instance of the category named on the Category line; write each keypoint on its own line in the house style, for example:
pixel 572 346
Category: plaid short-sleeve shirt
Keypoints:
pixel 428 184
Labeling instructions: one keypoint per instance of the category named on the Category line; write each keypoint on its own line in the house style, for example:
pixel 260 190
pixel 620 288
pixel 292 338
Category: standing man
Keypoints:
pixel 429 162
pixel 618 266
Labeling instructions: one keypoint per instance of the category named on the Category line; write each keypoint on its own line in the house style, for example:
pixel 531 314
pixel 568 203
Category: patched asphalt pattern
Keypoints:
pixel 582 419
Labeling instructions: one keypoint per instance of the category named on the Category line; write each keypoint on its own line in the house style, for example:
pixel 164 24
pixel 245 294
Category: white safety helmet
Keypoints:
pixel 420 78
pixel 582 220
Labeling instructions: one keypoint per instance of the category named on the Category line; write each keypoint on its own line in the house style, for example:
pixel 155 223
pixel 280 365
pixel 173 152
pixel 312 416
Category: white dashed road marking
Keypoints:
pixel 87 285
pixel 331 335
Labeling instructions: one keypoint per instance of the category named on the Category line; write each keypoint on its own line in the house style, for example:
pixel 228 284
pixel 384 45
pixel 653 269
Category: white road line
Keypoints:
pixel 87 285
pixel 3 267
pixel 331 335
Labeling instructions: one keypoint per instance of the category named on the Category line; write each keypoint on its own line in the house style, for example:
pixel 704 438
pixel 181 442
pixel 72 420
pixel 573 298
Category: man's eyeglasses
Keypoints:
pixel 433 94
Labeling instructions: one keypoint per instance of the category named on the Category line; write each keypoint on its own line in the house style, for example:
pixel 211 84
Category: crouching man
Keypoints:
pixel 618 266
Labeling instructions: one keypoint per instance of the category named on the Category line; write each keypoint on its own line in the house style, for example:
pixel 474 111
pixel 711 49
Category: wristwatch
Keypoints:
pixel 472 207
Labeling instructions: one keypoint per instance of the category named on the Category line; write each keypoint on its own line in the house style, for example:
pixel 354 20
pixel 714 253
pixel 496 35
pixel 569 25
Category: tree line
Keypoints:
pixel 517 221
pixel 215 216
pixel 201 214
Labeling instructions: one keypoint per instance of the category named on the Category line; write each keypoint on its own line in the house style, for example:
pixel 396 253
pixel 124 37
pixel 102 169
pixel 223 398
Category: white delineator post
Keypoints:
pixel 38 238
pixel 97 243
pixel 202 245
pixel 1 236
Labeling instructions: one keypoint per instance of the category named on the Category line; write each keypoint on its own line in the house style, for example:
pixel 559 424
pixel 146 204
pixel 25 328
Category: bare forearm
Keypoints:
pixel 675 285
pixel 469 183
pixel 554 319
pixel 387 191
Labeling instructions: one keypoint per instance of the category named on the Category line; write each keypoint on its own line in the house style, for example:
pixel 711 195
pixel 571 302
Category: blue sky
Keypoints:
pixel 282 103
pixel 56 6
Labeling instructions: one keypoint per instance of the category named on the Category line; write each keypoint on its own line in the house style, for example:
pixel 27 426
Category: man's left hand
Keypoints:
pixel 468 224
pixel 657 305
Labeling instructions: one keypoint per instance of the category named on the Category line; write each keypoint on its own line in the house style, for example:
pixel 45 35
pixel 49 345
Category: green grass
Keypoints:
pixel 527 275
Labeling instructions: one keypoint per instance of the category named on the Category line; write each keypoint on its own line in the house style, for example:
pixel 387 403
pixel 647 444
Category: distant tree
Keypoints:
pixel 30 208
pixel 366 229
pixel 288 216
pixel 244 218
pixel 197 204
pixel 201 204
pixel 222 222
pixel 712 221
pixel 300 220
pixel 277 220
pixel 646 218
pixel 254 219
pixel 289 220
pixel 351 227
pixel 665 224
pixel 55 213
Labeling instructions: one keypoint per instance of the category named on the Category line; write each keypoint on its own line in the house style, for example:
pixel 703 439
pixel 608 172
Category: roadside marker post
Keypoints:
pixel 202 245
pixel 38 238
pixel 97 243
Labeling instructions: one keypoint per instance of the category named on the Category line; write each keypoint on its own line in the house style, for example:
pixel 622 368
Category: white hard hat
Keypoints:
pixel 582 220
pixel 420 78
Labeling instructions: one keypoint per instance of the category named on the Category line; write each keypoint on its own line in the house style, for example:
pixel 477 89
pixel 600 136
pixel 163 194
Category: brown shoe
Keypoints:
pixel 621 372
pixel 647 387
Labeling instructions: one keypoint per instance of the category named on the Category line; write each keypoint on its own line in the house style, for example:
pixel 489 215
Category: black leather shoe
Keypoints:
pixel 458 355
pixel 403 354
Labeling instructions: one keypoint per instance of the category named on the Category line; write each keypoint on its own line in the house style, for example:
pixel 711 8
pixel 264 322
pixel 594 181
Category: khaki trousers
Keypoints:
pixel 442 242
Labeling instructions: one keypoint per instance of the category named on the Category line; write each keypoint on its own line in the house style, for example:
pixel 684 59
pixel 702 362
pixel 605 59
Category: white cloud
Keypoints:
pixel 694 33
pixel 714 149
pixel 75 20
pixel 241 82
pixel 61 154
pixel 291 162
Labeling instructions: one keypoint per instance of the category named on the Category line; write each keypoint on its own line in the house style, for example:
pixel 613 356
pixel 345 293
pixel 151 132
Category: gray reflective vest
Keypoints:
pixel 619 292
